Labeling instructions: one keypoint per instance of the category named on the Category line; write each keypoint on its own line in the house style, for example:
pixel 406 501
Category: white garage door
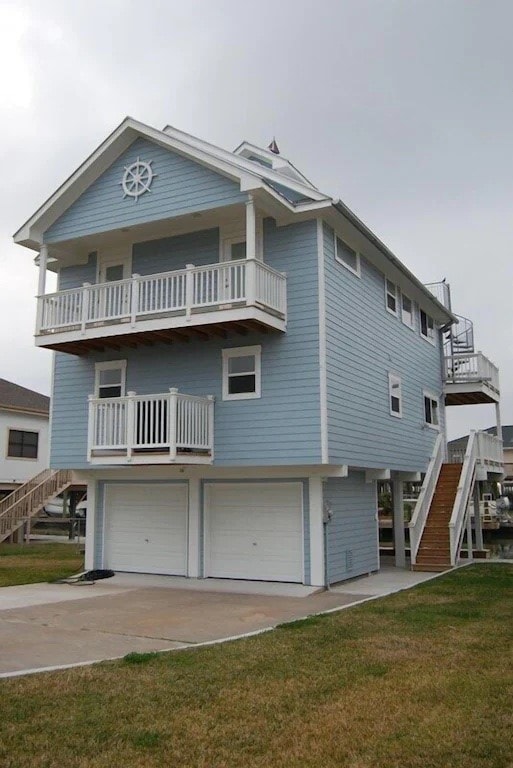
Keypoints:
pixel 254 531
pixel 146 528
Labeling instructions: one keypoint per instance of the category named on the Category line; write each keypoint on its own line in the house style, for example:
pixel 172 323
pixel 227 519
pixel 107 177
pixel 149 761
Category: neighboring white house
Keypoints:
pixel 24 416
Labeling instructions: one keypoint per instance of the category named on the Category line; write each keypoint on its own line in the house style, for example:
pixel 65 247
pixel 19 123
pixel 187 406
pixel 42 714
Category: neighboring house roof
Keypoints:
pixel 13 397
pixel 507 437
pixel 287 194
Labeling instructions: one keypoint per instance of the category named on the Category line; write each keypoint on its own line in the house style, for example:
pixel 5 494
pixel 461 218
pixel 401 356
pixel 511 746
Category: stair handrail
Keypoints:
pixel 427 491
pixel 22 490
pixel 42 487
pixel 464 491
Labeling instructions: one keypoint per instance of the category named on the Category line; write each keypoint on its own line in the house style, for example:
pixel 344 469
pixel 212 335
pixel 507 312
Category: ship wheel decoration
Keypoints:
pixel 137 179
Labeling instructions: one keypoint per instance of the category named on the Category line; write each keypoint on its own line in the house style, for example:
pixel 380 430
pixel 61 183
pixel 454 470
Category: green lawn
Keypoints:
pixel 422 678
pixel 31 563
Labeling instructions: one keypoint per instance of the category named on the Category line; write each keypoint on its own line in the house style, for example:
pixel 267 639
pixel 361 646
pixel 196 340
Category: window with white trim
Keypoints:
pixel 427 327
pixel 346 256
pixel 241 373
pixel 395 395
pixel 431 410
pixel 407 310
pixel 110 379
pixel 391 296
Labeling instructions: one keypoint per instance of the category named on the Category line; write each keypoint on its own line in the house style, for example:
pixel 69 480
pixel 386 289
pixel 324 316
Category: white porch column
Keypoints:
pixel 399 539
pixel 91 521
pixel 250 229
pixel 193 544
pixel 498 420
pixel 317 574
pixel 478 528
pixel 43 262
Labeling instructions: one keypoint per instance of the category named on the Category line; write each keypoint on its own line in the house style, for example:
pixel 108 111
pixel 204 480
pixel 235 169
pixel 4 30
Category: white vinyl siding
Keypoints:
pixel 254 531
pixel 395 395
pixel 146 528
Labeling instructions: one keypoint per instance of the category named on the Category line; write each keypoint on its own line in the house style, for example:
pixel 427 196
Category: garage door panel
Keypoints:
pixel 146 528
pixel 255 531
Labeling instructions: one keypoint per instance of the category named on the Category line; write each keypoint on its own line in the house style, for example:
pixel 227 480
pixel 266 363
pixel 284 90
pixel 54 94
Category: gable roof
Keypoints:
pixel 286 190
pixel 14 397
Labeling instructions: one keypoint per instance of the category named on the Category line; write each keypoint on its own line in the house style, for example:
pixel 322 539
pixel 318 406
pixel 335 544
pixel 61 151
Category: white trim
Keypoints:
pixel 340 260
pixel 110 365
pixel 395 295
pixel 316 504
pixel 427 395
pixel 407 324
pixel 394 379
pixel 8 431
pixel 193 528
pixel 323 393
pixel 431 340
pixel 90 532
pixel 253 351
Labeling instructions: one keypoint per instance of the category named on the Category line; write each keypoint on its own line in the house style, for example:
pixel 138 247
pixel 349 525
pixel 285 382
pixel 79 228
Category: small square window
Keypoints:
pixel 431 410
pixel 391 296
pixel 407 310
pixel 110 379
pixel 395 395
pixel 22 445
pixel 241 373
pixel 427 327
pixel 346 256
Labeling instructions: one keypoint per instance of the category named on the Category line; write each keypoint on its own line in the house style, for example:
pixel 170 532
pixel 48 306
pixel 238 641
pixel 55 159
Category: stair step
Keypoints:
pixel 431 567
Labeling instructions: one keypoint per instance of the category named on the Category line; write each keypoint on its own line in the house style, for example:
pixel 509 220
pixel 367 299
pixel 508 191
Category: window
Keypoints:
pixel 241 373
pixel 110 379
pixel 234 249
pixel 407 310
pixel 391 296
pixel 427 327
pixel 431 407
pixel 345 255
pixel 22 445
pixel 395 395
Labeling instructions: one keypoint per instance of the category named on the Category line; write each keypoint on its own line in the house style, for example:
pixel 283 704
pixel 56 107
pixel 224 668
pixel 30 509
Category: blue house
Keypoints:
pixel 238 360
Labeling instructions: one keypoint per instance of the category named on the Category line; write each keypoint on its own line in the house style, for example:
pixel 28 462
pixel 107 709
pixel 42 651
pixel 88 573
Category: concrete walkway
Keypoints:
pixel 46 626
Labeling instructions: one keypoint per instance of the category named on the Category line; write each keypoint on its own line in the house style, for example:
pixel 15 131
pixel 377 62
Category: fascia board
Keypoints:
pixel 372 248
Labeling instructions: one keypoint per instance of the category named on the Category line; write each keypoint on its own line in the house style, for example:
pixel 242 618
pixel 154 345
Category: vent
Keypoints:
pixel 349 559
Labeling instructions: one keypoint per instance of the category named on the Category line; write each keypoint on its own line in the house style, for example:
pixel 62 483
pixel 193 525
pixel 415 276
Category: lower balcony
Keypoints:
pixel 195 302
pixel 168 428
pixel 470 378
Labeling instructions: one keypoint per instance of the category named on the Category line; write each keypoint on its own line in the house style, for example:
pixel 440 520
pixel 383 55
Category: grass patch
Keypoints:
pixel 363 688
pixel 32 563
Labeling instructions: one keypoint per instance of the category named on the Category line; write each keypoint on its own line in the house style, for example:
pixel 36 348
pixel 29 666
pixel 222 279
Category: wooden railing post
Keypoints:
pixel 251 281
pixel 85 305
pixel 130 423
pixel 134 299
pixel 189 290
pixel 173 422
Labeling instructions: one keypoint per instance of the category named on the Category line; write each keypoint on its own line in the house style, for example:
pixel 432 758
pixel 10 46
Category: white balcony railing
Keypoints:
pixel 471 368
pixel 158 428
pixel 488 452
pixel 248 282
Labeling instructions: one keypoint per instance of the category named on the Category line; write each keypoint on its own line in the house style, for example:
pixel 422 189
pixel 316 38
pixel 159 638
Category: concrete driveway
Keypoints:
pixel 50 625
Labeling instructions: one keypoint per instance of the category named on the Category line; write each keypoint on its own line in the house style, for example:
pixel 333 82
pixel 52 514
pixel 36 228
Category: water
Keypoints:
pixel 500 543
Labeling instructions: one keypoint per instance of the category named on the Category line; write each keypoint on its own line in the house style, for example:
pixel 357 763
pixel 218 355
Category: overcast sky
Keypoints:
pixel 402 108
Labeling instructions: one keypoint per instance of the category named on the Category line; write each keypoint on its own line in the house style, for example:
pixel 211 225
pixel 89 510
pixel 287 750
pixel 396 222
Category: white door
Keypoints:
pixel 112 298
pixel 146 528
pixel 254 531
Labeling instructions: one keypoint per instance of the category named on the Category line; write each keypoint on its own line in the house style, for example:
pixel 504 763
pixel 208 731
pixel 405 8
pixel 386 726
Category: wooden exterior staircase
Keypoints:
pixel 434 553
pixel 27 500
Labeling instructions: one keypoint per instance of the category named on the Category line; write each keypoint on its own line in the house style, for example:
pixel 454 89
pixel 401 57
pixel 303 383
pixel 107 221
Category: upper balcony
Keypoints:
pixel 470 378
pixel 242 296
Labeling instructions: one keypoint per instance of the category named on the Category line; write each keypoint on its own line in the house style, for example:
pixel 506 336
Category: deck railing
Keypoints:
pixel 186 291
pixel 170 423
pixel 470 368
pixel 489 452
pixel 419 517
